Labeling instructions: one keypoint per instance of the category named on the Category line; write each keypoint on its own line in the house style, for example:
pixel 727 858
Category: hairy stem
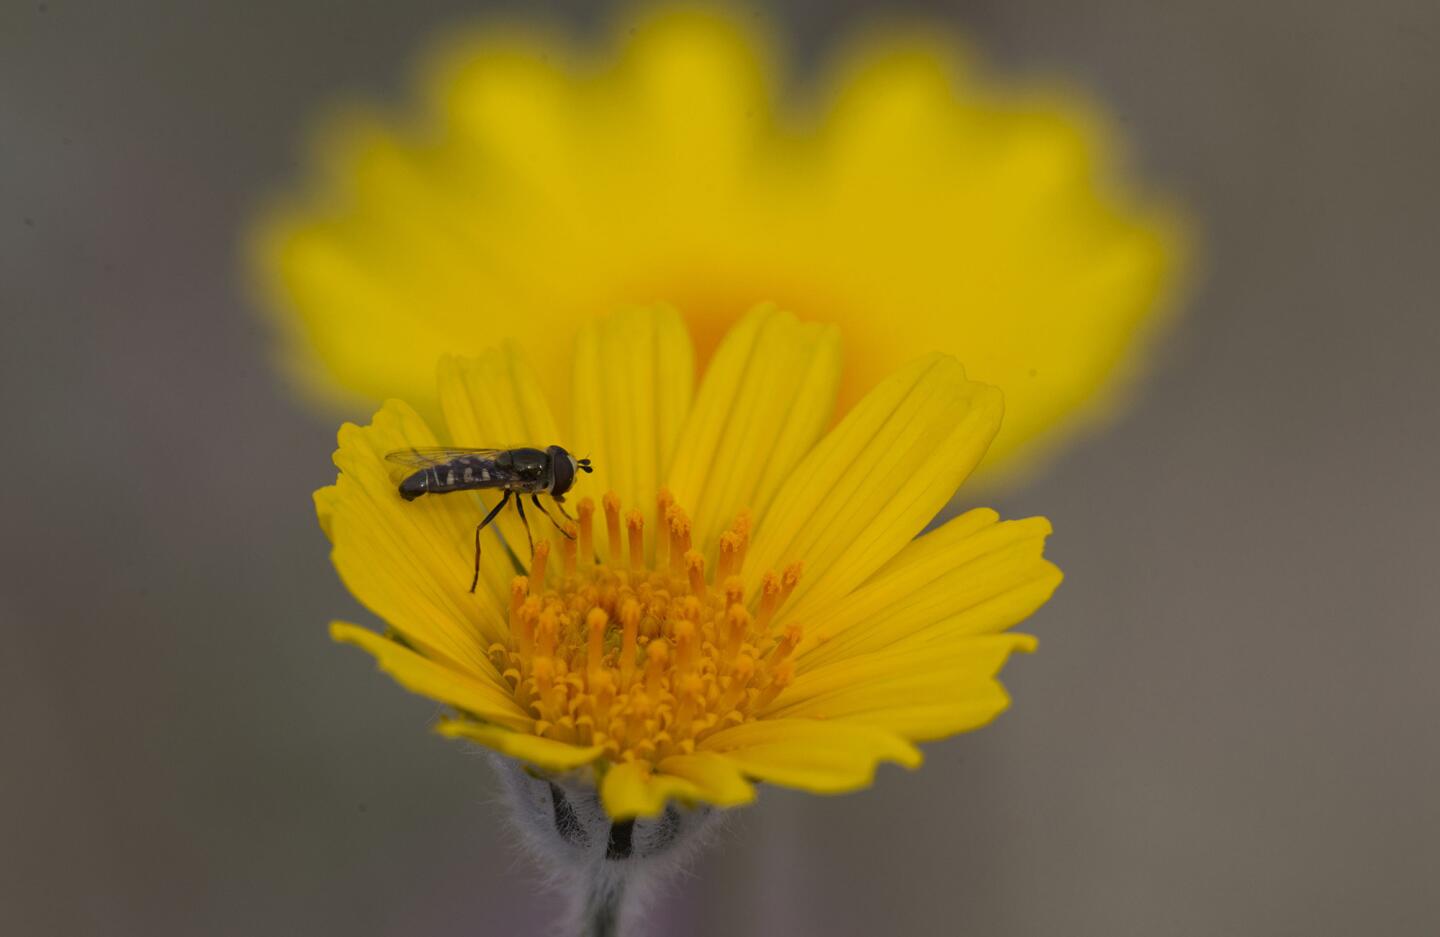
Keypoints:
pixel 603 904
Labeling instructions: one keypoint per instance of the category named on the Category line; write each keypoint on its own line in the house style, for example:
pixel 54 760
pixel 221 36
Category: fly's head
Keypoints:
pixel 564 467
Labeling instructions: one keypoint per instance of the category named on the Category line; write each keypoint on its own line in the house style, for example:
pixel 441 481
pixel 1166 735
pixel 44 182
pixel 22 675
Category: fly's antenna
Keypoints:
pixel 584 464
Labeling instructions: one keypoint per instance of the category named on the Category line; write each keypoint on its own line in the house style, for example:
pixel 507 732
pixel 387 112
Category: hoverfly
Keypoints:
pixel 517 472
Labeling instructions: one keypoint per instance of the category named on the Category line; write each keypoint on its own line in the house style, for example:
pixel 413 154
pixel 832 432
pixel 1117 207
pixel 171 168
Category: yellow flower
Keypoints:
pixel 748 602
pixel 909 203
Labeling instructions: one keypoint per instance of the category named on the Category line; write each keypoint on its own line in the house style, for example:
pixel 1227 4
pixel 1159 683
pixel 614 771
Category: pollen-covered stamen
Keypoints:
pixel 769 599
pixel 739 682
pixel 734 591
pixel 790 580
pixel 737 627
pixel 595 623
pixel 568 548
pixel 586 511
pixel 629 638
pixel 635 529
pixel 687 645
pixel 732 548
pixel 783 674
pixel 522 629
pixel 537 567
pixel 657 656
pixel 611 501
pixel 785 645
pixel 664 501
pixel 679 526
pixel 695 570
pixel 644 659
pixel 546 626
pixel 729 548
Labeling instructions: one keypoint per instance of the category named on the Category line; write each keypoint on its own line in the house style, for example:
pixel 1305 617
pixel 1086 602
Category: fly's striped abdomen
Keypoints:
pixel 463 474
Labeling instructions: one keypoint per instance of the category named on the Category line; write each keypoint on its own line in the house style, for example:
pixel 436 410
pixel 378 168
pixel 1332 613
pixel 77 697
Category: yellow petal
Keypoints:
pixel 957 660
pixel 715 777
pixel 540 752
pixel 325 508
pixel 493 401
pixel 975 564
pixel 965 710
pixel 916 692
pixel 634 378
pixel 876 480
pixel 477 696
pixel 633 789
pixel 409 563
pixel 766 397
pixel 823 757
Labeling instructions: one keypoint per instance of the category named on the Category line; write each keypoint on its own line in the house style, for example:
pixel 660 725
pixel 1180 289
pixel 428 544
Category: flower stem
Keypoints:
pixel 602 906
pixel 605 887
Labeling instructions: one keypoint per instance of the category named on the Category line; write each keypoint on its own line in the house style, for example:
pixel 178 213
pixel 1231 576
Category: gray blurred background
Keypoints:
pixel 1230 727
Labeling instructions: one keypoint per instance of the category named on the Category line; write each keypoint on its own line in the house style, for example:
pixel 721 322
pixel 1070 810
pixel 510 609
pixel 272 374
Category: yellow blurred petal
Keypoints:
pixel 972 574
pixel 409 563
pixel 822 757
pixel 474 695
pixel 510 96
pixel 715 777
pixel 922 210
pixel 699 87
pixel 876 480
pixel 1062 271
pixel 766 397
pixel 634 378
pixel 532 749
pixel 633 789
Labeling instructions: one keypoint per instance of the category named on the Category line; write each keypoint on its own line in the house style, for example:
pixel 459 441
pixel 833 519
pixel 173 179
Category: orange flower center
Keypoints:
pixel 644 653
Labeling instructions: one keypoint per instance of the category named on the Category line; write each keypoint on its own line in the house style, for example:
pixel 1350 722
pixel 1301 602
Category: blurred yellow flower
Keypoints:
pixel 908 203
pixel 748 603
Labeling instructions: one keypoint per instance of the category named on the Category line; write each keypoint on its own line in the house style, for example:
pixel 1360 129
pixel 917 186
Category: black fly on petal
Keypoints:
pixel 516 472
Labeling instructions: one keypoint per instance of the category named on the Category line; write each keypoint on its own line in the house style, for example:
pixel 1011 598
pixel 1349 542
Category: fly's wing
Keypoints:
pixel 406 462
pixel 421 457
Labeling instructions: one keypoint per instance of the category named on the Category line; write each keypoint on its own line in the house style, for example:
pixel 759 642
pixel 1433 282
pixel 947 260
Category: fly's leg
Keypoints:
pixel 520 506
pixel 560 503
pixel 536 500
pixel 481 526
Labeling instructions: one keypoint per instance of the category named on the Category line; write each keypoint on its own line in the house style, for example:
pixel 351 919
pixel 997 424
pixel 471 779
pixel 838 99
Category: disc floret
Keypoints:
pixel 634 646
